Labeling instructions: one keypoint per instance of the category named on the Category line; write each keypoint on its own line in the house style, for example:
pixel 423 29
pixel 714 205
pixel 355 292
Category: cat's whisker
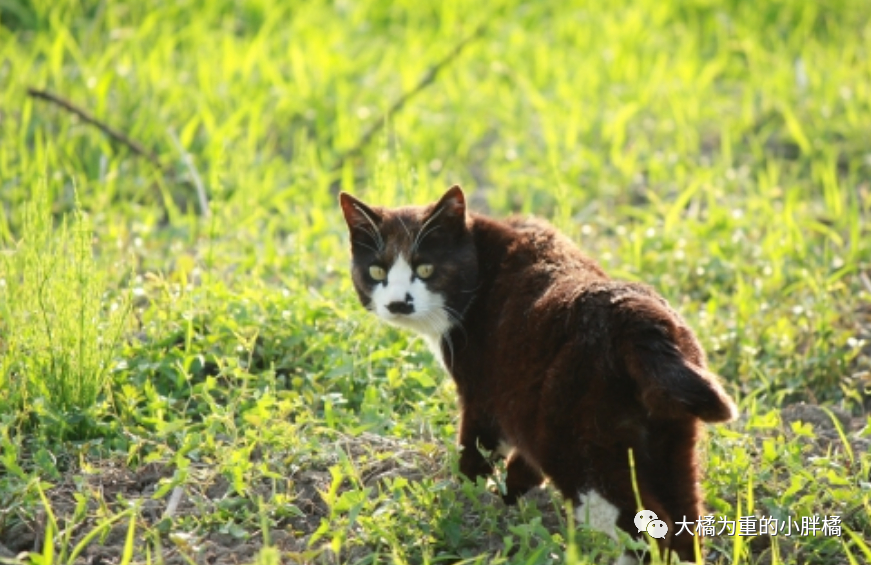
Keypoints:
pixel 379 241
pixel 476 289
pixel 365 228
pixel 458 316
pixel 420 237
pixel 429 322
pixel 453 311
pixel 457 320
pixel 447 337
pixel 358 242
pixel 432 322
pixel 444 333
pixel 405 227
pixel 433 319
pixel 376 236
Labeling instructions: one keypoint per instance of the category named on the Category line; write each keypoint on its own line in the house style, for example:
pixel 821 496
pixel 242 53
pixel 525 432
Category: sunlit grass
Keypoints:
pixel 62 324
pixel 716 150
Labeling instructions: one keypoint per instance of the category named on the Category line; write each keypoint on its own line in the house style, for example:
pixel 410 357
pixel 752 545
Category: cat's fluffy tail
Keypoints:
pixel 671 387
pixel 666 362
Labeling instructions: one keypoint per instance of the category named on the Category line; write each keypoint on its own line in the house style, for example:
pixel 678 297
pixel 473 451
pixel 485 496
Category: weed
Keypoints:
pixel 254 412
pixel 62 323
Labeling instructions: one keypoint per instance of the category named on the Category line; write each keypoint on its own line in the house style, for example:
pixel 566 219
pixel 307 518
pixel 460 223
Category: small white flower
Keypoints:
pixel 854 343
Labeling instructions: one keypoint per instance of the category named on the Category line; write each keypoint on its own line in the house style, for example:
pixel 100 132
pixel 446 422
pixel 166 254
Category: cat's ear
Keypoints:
pixel 451 207
pixel 358 215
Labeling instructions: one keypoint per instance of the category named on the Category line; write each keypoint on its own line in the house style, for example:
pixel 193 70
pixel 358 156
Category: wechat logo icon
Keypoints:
pixel 647 521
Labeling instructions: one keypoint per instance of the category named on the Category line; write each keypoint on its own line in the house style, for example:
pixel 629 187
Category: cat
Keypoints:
pixel 558 368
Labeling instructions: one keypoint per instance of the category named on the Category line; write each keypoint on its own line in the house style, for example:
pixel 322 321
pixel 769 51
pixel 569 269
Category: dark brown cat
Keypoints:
pixel 557 366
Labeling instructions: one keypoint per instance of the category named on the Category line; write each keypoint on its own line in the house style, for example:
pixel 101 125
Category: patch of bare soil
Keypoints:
pixel 195 519
pixel 186 520
pixel 825 430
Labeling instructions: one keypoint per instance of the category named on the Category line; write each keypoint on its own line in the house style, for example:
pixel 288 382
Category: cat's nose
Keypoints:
pixel 400 308
pixel 406 307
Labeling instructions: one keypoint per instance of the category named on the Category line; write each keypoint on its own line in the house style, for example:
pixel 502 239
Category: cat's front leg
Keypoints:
pixel 520 477
pixel 476 429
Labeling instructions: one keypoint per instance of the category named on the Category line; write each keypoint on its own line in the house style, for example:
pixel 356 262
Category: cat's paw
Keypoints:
pixel 474 465
pixel 510 498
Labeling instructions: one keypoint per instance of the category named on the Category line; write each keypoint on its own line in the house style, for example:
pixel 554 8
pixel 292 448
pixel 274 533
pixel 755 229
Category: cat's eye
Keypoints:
pixel 424 271
pixel 377 273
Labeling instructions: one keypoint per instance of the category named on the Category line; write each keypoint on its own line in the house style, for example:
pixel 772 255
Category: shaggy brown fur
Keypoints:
pixel 550 356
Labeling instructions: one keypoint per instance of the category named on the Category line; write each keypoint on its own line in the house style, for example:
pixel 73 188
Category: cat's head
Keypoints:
pixel 414 266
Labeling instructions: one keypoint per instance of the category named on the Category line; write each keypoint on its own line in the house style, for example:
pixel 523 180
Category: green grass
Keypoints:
pixel 716 150
pixel 62 326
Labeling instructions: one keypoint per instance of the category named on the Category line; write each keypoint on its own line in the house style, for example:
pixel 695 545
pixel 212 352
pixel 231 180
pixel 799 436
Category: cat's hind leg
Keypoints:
pixel 609 511
pixel 604 498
